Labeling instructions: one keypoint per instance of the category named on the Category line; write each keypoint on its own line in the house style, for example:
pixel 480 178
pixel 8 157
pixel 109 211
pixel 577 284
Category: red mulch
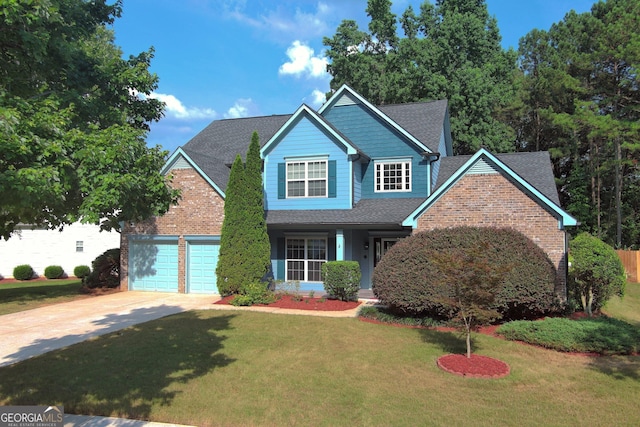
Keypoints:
pixel 475 367
pixel 304 303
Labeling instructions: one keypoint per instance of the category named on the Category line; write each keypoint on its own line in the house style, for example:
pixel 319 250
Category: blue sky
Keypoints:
pixel 221 59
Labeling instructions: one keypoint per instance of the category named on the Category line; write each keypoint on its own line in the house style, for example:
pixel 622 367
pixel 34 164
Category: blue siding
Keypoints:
pixel 378 140
pixel 306 139
pixel 357 182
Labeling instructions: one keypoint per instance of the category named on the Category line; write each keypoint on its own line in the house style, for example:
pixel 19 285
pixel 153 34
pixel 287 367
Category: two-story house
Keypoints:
pixel 344 182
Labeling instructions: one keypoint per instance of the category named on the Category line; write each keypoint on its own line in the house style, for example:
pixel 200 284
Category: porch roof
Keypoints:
pixel 367 212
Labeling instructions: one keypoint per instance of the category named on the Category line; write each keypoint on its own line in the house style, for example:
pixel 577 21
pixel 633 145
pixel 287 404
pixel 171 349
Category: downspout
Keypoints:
pixel 431 158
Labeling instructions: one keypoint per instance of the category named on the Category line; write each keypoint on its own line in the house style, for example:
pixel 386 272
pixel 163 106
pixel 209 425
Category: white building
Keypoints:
pixel 77 244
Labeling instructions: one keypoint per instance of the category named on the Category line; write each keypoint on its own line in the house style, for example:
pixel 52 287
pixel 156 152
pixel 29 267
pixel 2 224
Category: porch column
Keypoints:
pixel 339 245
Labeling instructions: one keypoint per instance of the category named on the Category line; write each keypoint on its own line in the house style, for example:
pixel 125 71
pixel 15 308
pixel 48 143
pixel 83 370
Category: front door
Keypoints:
pixel 381 246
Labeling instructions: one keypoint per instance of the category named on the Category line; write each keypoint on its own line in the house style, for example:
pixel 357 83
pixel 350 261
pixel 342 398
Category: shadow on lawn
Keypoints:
pixel 450 341
pixel 125 373
pixel 617 367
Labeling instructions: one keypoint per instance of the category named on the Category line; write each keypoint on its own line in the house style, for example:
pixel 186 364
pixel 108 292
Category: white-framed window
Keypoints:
pixel 305 256
pixel 393 175
pixel 307 178
pixel 79 246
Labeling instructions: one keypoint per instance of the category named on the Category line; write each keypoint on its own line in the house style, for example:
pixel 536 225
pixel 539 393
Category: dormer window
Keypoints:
pixel 393 175
pixel 307 178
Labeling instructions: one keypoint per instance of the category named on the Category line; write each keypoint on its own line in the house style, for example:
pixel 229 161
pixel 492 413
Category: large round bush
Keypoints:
pixel 409 279
pixel 53 272
pixel 23 272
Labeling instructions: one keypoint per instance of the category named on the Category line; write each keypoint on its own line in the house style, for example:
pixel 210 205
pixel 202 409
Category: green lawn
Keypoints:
pixel 20 296
pixel 626 308
pixel 230 368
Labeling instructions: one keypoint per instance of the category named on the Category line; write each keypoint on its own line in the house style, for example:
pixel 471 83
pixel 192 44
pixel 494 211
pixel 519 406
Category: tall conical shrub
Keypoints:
pixel 244 245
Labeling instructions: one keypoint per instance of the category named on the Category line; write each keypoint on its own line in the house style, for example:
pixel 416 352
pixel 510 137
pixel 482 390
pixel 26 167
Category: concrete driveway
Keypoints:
pixel 30 333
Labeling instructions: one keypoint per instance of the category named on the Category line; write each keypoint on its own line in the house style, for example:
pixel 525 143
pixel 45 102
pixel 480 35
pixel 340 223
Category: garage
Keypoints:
pixel 153 265
pixel 202 259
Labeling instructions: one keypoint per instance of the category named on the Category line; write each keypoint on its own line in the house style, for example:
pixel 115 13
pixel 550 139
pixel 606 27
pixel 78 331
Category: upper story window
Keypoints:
pixel 307 178
pixel 393 175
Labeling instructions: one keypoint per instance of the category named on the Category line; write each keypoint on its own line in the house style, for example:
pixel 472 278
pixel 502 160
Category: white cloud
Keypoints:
pixel 175 108
pixel 243 107
pixel 317 98
pixel 302 62
pixel 280 20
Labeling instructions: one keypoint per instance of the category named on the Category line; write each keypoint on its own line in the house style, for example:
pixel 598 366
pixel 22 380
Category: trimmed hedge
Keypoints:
pixel 23 272
pixel 53 272
pixel 409 281
pixel 342 279
pixel 81 271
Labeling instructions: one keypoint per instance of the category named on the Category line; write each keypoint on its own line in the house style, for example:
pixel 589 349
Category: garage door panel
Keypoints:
pixel 153 266
pixel 201 270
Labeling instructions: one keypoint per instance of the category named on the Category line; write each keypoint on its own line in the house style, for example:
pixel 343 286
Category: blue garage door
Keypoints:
pixel 153 266
pixel 202 259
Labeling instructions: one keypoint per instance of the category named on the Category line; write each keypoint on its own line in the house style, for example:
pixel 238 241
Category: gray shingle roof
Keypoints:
pixel 217 145
pixel 384 212
pixel 423 120
pixel 535 168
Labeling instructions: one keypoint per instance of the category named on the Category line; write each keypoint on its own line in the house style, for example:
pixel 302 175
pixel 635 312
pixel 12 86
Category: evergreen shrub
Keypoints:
pixel 81 271
pixel 105 270
pixel 254 293
pixel 23 272
pixel 596 272
pixel 342 279
pixel 53 272
pixel 409 281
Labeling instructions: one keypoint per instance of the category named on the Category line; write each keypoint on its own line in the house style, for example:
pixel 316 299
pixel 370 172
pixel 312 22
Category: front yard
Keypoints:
pixel 210 368
pixel 26 295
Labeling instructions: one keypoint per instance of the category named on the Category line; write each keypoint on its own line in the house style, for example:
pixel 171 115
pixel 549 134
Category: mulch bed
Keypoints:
pixel 303 303
pixel 475 367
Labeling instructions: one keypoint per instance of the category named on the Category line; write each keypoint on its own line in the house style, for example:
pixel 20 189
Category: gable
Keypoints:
pixel 182 160
pixel 484 163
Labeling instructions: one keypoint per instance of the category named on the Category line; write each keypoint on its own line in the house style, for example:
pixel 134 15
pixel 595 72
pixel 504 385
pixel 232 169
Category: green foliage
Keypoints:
pixel 73 119
pixel 53 272
pixel 596 272
pixel 450 50
pixel 601 335
pixel 579 99
pixel 23 272
pixel 409 279
pixel 383 315
pixel 245 250
pixel 342 279
pixel 81 271
pixel 253 293
pixel 105 270
pixel 475 283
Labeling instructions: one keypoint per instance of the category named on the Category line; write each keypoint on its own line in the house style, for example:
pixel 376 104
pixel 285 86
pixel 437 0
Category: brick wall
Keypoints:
pixel 200 211
pixel 493 201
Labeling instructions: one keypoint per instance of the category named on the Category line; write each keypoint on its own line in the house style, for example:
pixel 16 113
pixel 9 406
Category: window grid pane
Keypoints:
pixel 393 177
pixel 307 179
pixel 305 258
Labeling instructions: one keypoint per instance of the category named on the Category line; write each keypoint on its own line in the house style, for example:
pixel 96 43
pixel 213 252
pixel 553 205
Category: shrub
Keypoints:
pixel 53 272
pixel 601 335
pixel 342 279
pixel 253 293
pixel 105 270
pixel 23 272
pixel 81 271
pixel 409 281
pixel 596 272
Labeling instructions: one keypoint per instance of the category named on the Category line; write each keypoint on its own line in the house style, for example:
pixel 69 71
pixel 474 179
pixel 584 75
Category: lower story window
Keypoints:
pixel 305 257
